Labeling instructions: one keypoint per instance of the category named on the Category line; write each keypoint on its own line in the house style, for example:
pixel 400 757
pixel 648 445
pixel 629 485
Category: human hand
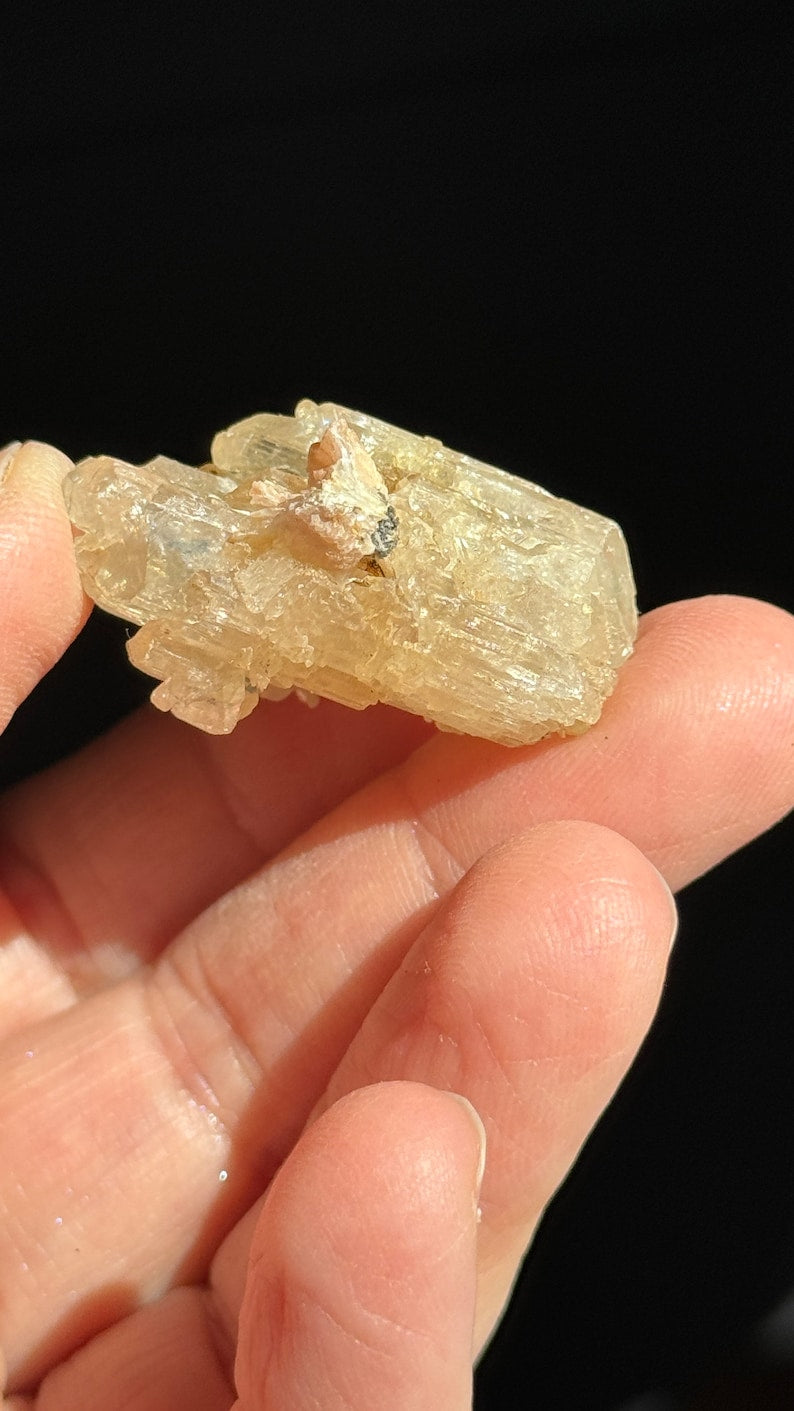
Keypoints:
pixel 240 978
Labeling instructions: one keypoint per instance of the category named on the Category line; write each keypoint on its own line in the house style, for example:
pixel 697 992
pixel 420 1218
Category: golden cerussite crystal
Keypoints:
pixel 333 554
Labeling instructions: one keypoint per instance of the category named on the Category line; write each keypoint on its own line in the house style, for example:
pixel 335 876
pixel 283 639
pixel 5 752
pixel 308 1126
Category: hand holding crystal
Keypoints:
pixel 243 975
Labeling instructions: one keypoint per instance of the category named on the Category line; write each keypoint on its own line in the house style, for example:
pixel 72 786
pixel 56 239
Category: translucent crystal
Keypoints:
pixel 337 555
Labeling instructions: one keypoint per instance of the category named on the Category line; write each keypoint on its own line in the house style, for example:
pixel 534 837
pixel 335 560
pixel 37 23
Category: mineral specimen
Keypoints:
pixel 339 556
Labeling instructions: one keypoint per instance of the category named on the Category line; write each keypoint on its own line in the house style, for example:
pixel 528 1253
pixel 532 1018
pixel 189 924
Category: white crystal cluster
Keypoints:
pixel 334 554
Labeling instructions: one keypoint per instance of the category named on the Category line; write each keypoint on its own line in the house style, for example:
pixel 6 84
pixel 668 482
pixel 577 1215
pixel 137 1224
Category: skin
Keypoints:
pixel 243 979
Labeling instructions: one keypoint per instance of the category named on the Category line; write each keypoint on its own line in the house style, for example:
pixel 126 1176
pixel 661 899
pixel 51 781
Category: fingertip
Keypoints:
pixel 719 675
pixel 33 471
pixel 42 604
pixel 551 951
pixel 731 612
pixel 422 1151
pixel 599 889
pixel 362 1279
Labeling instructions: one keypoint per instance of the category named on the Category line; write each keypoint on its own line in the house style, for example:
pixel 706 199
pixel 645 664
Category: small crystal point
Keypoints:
pixel 339 556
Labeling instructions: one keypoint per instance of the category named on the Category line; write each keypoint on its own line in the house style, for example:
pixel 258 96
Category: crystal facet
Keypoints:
pixel 339 556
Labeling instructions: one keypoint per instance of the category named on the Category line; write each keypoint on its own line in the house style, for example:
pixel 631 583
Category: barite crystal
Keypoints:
pixel 335 555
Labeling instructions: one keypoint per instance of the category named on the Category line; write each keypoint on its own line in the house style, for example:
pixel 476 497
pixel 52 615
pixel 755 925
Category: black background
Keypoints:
pixel 561 247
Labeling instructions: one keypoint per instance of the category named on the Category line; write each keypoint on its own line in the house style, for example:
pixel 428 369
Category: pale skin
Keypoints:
pixel 241 980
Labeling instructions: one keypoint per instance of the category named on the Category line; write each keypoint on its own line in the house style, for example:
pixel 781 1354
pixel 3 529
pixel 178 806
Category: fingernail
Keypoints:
pixel 673 913
pixel 7 454
pixel 477 1123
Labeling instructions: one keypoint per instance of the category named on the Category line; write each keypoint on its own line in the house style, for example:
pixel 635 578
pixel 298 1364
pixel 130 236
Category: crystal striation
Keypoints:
pixel 336 555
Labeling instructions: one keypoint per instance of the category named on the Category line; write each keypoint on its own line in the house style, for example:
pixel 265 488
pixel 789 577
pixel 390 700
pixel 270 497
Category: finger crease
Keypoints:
pixel 37 900
pixel 444 870
pixel 227 804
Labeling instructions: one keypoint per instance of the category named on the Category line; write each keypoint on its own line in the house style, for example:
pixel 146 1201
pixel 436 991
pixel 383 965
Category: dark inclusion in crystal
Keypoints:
pixel 386 534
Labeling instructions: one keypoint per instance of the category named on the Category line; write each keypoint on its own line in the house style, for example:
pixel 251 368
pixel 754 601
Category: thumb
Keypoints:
pixel 362 1278
pixel 42 605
